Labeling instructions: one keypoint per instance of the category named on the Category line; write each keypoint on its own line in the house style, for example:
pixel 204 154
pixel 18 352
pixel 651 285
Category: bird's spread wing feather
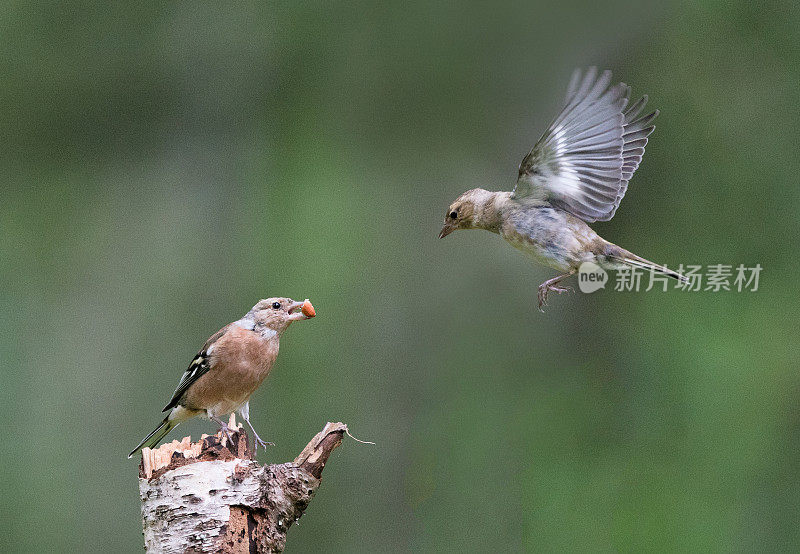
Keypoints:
pixel 584 160
pixel 200 365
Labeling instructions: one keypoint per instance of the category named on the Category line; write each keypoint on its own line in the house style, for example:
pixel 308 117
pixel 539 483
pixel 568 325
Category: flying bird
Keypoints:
pixel 577 173
pixel 230 367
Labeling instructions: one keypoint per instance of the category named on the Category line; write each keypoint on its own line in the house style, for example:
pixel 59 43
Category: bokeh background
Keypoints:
pixel 167 165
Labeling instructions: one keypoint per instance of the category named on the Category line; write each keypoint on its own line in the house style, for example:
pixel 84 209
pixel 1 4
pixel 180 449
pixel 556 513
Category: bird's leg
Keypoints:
pixel 222 427
pixel 552 285
pixel 264 444
pixel 244 411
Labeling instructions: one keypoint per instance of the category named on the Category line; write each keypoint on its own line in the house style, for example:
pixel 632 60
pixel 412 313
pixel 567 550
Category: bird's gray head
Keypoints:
pixel 276 314
pixel 471 210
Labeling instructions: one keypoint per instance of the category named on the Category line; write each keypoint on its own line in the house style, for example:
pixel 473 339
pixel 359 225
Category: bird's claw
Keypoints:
pixel 547 287
pixel 260 442
pixel 227 432
pixel 264 444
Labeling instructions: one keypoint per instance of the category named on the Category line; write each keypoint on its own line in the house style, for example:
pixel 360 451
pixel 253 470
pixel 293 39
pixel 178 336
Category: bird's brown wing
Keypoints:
pixel 199 367
pixel 584 160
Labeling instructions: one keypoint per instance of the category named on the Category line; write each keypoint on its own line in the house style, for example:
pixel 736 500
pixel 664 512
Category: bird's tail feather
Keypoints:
pixel 635 261
pixel 155 437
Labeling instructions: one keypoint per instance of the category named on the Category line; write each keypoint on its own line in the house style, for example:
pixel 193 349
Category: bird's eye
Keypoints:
pixel 453 215
pixel 276 305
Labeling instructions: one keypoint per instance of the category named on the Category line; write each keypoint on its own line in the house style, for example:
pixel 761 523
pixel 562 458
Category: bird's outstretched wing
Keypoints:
pixel 584 160
pixel 199 367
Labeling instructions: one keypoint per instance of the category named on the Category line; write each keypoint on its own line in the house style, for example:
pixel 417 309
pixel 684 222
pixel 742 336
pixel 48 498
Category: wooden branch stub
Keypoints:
pixel 316 452
pixel 212 496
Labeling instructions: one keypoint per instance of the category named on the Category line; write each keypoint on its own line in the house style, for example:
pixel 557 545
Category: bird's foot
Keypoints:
pixel 259 441
pixel 264 444
pixel 224 429
pixel 549 286
pixel 227 432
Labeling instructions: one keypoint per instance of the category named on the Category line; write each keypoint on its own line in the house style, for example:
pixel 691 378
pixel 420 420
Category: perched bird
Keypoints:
pixel 577 173
pixel 230 367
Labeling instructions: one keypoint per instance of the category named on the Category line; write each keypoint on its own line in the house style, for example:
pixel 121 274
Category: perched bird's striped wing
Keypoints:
pixel 200 366
pixel 584 160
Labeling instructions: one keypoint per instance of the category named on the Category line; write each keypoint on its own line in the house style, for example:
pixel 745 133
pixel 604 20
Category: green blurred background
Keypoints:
pixel 167 165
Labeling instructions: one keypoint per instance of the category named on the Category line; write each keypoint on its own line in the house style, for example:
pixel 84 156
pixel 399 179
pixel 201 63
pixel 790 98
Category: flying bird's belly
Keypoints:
pixel 545 253
pixel 545 236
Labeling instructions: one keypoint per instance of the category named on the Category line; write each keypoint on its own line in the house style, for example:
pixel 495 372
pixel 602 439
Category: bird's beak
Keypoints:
pixel 446 230
pixel 301 310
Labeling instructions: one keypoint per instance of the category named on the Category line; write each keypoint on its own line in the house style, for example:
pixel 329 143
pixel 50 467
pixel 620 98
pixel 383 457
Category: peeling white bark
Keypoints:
pixel 174 503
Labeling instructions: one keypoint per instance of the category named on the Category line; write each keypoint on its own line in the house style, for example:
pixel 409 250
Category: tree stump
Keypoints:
pixel 212 495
